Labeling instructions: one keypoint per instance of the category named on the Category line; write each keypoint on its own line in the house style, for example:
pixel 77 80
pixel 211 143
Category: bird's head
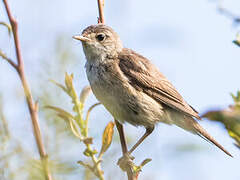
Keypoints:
pixel 100 41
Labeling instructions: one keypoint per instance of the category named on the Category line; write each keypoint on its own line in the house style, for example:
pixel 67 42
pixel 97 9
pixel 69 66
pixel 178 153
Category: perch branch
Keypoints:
pixel 10 61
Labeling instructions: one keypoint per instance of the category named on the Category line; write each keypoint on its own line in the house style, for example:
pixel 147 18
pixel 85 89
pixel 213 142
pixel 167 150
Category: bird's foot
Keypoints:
pixel 126 161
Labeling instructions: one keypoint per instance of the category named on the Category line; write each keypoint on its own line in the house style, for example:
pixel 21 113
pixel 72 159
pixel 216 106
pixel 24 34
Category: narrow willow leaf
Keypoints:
pixel 89 111
pixel 235 136
pixel 74 129
pixel 61 112
pixel 145 162
pixel 230 118
pixel 8 26
pixel 84 94
pixel 107 138
pixel 236 98
pixel 137 169
pixel 59 85
pixel 72 92
pixel 68 81
pixel 237 41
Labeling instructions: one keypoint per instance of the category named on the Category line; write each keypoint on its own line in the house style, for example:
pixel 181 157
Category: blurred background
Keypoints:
pixel 189 41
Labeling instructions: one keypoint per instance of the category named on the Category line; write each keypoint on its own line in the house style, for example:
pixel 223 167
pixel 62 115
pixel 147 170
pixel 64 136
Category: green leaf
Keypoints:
pixel 230 118
pixel 89 152
pixel 75 129
pixel 69 82
pixel 62 113
pixel 59 85
pixel 237 41
pixel 137 169
pixel 145 162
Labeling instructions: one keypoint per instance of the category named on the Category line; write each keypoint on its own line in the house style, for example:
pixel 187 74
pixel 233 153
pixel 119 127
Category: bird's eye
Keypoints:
pixel 100 37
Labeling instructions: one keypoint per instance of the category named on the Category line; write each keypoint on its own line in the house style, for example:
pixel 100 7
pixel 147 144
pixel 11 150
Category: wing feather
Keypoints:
pixel 145 77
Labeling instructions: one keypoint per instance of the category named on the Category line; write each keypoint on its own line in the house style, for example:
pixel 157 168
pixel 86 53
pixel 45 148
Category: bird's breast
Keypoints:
pixel 120 98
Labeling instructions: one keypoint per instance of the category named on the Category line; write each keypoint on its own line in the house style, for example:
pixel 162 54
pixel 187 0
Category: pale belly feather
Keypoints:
pixel 123 101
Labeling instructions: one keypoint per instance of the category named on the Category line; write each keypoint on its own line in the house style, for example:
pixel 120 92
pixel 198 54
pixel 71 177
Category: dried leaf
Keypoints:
pixel 88 140
pixel 107 137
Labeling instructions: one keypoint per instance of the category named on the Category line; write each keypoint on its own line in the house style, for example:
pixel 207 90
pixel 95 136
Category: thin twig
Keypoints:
pixel 10 61
pixel 101 12
pixel 33 108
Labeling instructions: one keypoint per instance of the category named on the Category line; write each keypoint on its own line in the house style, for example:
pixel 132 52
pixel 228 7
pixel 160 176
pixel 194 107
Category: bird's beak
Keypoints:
pixel 81 38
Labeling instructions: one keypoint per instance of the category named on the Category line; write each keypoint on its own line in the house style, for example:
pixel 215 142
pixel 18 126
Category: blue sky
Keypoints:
pixel 189 41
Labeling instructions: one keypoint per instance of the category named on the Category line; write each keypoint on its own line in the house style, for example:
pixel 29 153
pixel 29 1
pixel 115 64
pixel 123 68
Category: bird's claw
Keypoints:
pixel 126 161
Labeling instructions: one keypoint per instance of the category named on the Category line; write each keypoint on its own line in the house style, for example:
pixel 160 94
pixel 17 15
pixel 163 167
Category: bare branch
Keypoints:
pixel 100 10
pixel 33 108
pixel 10 61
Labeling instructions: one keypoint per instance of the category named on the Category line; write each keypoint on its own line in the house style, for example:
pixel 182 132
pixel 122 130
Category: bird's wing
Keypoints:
pixel 145 77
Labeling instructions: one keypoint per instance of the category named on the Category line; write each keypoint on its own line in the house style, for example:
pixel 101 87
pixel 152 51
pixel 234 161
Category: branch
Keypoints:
pixel 100 10
pixel 32 106
pixel 10 61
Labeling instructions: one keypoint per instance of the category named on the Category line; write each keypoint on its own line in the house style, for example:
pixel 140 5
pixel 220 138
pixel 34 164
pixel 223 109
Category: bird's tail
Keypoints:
pixel 191 125
pixel 204 134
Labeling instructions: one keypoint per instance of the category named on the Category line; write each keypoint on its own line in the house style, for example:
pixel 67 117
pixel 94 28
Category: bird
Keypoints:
pixel 132 89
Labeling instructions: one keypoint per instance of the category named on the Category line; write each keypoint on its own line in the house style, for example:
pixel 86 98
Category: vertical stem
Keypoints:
pixel 96 164
pixel 101 12
pixel 33 108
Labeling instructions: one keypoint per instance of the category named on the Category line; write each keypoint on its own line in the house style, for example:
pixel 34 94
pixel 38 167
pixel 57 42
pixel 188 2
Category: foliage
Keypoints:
pixel 229 117
pixel 79 125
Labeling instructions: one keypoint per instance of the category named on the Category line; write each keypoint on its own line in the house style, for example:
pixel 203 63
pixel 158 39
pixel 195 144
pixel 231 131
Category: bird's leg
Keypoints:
pixel 149 130
pixel 122 137
pixel 125 162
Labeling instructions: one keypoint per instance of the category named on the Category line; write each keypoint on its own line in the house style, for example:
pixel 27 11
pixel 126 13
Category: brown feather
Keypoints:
pixel 145 76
